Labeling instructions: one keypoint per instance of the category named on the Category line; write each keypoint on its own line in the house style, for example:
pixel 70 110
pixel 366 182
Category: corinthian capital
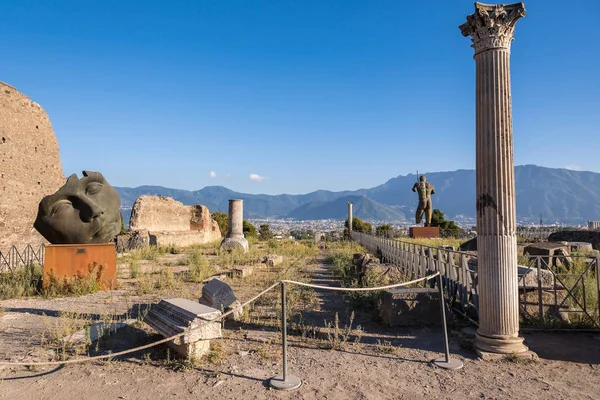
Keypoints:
pixel 492 25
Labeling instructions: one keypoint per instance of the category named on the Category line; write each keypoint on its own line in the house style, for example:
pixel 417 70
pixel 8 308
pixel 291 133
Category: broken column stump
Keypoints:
pixel 409 307
pixel 173 316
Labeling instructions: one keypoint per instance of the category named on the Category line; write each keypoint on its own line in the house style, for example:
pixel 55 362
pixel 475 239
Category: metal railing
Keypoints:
pixel 417 260
pixel 560 291
pixel 15 258
pixel 555 292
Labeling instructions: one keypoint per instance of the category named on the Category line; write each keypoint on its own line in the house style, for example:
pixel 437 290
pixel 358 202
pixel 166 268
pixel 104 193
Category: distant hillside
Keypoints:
pixel 559 195
pixel 338 209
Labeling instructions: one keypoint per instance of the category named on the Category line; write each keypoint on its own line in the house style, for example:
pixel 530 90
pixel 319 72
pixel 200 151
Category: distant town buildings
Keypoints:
pixel 593 224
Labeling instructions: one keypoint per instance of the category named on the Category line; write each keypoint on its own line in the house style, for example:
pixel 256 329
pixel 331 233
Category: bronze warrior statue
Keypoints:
pixel 83 211
pixel 425 190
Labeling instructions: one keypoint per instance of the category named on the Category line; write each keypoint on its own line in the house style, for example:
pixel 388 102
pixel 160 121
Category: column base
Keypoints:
pixel 230 244
pixel 494 348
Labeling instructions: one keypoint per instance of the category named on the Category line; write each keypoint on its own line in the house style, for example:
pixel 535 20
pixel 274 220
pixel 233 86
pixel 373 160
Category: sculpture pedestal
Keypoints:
pixel 428 232
pixel 71 260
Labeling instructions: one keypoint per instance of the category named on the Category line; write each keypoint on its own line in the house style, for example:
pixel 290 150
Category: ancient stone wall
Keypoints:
pixel 170 223
pixel 157 213
pixel 30 166
pixel 582 235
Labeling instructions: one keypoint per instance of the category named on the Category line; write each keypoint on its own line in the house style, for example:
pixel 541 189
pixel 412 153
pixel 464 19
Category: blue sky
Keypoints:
pixel 308 95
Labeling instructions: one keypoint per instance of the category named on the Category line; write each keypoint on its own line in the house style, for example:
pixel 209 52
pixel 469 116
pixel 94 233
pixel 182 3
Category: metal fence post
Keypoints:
pixel 284 381
pixel 598 282
pixel 445 362
pixel 539 282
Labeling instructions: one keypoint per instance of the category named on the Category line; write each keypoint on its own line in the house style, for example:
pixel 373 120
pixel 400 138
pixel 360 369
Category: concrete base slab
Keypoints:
pixel 451 363
pixel 291 382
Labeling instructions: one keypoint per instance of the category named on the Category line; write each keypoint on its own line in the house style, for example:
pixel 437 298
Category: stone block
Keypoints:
pixel 409 307
pixel 132 240
pixel 183 238
pixel 577 235
pixel 190 351
pixel 553 253
pixel 217 294
pixel 580 246
pixel 528 278
pixel 237 314
pixel 243 271
pixel 199 323
pixel 273 260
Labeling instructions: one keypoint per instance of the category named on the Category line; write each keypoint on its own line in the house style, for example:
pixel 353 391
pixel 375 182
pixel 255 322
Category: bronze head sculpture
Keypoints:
pixel 424 189
pixel 82 211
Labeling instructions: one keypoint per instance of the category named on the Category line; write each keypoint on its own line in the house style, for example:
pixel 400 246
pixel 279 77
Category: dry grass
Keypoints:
pixel 338 337
pixel 25 281
pixel 437 242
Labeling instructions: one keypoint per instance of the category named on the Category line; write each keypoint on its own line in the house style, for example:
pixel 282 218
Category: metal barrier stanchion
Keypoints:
pixel 445 362
pixel 285 381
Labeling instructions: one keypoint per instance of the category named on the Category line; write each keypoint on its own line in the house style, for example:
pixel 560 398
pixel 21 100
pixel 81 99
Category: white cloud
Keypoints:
pixel 573 167
pixel 212 174
pixel 256 177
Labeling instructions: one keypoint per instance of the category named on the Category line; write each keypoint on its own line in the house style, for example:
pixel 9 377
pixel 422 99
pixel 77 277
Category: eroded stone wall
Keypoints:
pixel 158 213
pixel 169 222
pixel 30 166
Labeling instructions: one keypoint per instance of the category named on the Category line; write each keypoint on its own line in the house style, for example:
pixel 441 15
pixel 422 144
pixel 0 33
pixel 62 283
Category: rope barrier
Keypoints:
pixel 167 339
pixel 367 289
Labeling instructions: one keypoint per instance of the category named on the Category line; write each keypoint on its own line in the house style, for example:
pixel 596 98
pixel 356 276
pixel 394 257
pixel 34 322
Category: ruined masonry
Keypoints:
pixel 170 223
pixel 30 166
pixel 174 316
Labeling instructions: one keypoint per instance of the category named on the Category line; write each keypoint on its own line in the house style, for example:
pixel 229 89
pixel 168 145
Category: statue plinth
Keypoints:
pixel 71 260
pixel 428 232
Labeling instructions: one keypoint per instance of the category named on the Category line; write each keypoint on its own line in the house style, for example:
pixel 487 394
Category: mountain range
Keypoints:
pixel 557 195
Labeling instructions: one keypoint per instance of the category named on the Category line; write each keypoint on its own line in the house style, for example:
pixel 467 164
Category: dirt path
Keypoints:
pixel 358 372
pixel 329 302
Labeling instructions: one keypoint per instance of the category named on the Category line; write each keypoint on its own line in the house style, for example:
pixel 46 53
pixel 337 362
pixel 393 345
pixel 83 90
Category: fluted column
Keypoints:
pixel 349 216
pixel 491 28
pixel 235 228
